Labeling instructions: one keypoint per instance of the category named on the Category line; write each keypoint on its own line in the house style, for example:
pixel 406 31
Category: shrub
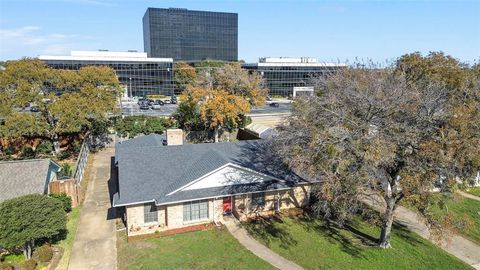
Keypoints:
pixel 75 147
pixel 44 253
pixel 6 266
pixel 63 155
pixel 27 152
pixel 29 211
pixel 10 150
pixel 45 147
pixel 65 199
pixel 66 170
pixel 29 264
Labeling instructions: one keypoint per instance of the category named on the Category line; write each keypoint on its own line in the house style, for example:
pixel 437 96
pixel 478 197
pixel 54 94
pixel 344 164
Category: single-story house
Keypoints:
pixel 22 177
pixel 167 187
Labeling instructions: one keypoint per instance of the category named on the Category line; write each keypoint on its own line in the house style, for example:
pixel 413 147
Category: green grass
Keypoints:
pixel 473 190
pixel 13 258
pixel 67 243
pixel 314 244
pixel 212 249
pixel 461 206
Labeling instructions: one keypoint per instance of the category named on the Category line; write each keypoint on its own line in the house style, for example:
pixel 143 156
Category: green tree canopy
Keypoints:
pixel 131 126
pixel 27 219
pixel 184 75
pixel 68 101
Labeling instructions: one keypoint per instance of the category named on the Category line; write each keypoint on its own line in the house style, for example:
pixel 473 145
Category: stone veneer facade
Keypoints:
pixel 171 216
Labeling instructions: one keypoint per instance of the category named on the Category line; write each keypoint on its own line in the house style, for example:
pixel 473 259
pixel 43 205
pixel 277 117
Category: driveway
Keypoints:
pixel 95 241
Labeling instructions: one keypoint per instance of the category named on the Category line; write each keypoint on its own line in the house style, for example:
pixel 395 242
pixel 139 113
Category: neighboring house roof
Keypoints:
pixel 22 177
pixel 162 173
pixel 143 141
pixel 261 131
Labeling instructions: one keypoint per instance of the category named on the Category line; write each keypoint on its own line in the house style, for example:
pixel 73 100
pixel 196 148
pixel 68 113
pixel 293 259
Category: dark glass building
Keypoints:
pixel 287 76
pixel 190 35
pixel 138 74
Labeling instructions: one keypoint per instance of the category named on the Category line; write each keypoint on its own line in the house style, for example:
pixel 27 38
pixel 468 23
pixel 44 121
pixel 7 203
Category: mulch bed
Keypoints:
pixel 193 228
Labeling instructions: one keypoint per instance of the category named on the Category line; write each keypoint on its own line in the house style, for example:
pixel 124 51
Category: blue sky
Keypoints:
pixel 328 30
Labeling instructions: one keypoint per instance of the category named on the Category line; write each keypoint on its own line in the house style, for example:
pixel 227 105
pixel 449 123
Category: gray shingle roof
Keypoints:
pixel 22 177
pixel 151 173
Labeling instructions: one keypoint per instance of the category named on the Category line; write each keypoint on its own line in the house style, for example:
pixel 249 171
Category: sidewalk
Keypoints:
pixel 233 225
pixel 470 196
pixel 94 246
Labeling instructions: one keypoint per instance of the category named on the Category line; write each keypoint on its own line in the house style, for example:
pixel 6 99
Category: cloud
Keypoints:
pixel 31 41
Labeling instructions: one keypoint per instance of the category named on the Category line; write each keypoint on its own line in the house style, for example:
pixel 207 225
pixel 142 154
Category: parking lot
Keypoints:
pixel 169 109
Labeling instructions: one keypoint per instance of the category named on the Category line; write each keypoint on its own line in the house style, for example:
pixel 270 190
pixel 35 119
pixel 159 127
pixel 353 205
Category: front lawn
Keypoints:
pixel 461 206
pixel 473 190
pixel 314 244
pixel 212 249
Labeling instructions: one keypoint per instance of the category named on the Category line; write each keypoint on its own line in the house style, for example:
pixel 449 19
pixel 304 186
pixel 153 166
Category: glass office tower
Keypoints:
pixel 283 75
pixel 190 35
pixel 139 75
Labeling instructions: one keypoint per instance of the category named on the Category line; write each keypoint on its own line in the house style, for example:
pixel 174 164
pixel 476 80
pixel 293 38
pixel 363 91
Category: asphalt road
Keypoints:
pixel 169 109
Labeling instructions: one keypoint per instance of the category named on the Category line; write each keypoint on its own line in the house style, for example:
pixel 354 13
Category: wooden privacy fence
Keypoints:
pixel 67 186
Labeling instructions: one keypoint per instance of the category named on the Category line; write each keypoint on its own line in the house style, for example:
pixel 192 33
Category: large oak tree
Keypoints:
pixel 387 134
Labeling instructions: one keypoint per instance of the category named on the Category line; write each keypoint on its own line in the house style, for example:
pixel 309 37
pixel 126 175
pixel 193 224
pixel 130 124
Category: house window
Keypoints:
pixel 258 200
pixel 195 210
pixel 150 213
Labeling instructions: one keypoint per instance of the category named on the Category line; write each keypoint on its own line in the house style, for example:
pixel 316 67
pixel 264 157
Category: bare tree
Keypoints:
pixel 369 132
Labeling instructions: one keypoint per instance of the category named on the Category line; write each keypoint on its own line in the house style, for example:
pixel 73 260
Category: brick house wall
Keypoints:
pixel 171 216
pixel 294 198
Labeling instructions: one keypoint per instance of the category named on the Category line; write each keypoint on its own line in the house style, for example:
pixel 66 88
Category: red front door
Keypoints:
pixel 227 205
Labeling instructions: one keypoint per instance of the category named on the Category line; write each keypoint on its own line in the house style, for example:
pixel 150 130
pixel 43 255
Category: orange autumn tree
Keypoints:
pixel 219 97
pixel 218 108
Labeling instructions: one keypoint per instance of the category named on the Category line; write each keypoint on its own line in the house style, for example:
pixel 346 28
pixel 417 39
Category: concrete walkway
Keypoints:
pixel 468 195
pixel 460 247
pixel 95 241
pixel 266 254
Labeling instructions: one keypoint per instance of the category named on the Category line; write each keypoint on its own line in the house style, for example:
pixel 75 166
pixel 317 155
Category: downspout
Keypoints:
pixel 278 201
pixel 214 201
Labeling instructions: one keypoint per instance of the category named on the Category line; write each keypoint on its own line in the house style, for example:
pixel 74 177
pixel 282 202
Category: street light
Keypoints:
pixel 130 79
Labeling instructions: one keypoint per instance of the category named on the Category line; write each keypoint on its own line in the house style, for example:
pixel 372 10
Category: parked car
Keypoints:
pixel 144 106
pixel 274 104
pixel 173 100
pixel 34 109
pixel 157 104
pixel 141 101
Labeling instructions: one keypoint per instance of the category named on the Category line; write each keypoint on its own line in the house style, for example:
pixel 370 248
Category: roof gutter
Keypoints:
pixel 196 199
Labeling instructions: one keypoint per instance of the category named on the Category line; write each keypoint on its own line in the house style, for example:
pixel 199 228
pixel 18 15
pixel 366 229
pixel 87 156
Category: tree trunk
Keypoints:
pixel 28 248
pixel 216 134
pixel 56 144
pixel 384 241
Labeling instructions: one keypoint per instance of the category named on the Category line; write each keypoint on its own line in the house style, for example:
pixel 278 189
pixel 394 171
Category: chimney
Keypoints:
pixel 174 136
